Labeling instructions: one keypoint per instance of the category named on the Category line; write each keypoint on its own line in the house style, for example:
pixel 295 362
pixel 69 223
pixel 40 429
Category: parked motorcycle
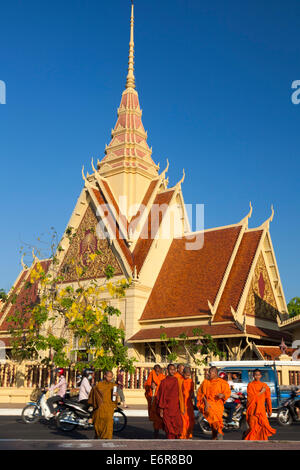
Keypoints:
pixel 238 418
pixel 38 408
pixel 287 413
pixel 78 414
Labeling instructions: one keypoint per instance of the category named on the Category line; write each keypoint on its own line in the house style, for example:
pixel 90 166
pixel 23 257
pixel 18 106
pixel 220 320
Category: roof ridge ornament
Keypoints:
pixel 244 221
pixel 266 225
pixel 130 82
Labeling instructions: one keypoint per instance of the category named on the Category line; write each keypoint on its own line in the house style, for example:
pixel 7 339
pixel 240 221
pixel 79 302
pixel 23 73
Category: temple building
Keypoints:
pixel 223 280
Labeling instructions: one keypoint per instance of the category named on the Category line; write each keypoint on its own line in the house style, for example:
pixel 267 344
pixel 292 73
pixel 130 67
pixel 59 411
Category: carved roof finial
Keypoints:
pixel 245 219
pixel 130 82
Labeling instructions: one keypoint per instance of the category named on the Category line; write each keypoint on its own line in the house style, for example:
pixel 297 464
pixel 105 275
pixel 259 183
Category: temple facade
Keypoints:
pixel 223 280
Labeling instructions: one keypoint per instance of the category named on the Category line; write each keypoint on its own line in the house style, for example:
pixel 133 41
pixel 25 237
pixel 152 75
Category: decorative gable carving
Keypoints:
pixel 86 243
pixel 261 301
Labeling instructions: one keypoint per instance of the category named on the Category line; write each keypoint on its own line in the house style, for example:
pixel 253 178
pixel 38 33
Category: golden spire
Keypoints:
pixel 130 82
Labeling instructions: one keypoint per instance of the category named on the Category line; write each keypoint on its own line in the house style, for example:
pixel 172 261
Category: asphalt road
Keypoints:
pixel 12 427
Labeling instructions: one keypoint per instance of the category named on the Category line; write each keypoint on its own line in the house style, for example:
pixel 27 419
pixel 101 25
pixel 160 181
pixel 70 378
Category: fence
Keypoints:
pixel 37 375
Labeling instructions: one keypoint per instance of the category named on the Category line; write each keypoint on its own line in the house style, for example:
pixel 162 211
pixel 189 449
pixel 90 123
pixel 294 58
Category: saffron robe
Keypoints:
pixel 150 394
pixel 214 414
pixel 188 417
pixel 168 401
pixel 259 427
pixel 100 399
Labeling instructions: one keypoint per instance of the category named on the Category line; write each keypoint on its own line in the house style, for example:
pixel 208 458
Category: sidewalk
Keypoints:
pixel 15 409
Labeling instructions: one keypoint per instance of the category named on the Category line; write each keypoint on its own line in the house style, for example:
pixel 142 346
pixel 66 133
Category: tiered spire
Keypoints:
pixel 130 83
pixel 128 149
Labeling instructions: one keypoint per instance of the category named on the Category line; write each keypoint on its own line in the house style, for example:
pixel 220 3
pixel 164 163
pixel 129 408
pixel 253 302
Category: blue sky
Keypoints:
pixel 214 80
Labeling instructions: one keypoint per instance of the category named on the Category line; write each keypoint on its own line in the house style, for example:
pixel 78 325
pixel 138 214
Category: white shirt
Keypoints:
pixel 84 389
pixel 233 394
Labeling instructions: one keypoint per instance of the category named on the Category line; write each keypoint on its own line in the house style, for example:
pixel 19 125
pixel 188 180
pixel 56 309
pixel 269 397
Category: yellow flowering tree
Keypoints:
pixel 62 314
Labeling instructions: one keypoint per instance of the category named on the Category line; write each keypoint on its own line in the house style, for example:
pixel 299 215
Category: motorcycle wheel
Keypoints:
pixel 67 427
pixel 284 417
pixel 31 414
pixel 204 426
pixel 120 421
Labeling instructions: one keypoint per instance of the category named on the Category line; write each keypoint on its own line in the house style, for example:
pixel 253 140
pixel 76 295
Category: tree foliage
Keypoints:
pixel 294 307
pixel 67 314
pixel 194 350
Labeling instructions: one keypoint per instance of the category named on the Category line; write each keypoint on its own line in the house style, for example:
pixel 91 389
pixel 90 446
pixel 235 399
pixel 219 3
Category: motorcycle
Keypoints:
pixel 238 418
pixel 78 414
pixel 38 408
pixel 287 413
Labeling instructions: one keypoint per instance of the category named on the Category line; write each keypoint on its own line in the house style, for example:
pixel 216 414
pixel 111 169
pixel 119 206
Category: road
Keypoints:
pixel 12 427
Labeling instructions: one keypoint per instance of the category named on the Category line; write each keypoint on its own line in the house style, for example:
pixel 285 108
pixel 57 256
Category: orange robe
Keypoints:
pixel 214 414
pixel 188 417
pixel 150 394
pixel 259 427
pixel 100 398
pixel 168 400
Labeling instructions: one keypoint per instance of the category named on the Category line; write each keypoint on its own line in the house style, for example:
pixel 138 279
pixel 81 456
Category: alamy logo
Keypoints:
pixel 2 92
pixel 296 95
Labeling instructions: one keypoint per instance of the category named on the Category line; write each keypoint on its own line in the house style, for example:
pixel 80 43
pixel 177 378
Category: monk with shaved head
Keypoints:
pixel 151 389
pixel 170 404
pixel 101 399
pixel 212 395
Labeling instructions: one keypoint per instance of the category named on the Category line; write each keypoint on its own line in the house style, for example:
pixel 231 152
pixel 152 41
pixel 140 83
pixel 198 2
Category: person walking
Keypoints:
pixel 212 395
pixel 151 389
pixel 170 404
pixel 188 396
pixel 103 400
pixel 120 383
pixel 258 400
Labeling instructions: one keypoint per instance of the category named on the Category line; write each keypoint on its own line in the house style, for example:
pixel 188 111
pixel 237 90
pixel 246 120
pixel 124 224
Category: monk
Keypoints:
pixel 100 399
pixel 170 404
pixel 212 395
pixel 188 417
pixel 179 373
pixel 151 388
pixel 258 399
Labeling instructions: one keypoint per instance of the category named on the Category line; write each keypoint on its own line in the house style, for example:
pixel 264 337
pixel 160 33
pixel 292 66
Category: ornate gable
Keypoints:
pixel 261 301
pixel 86 243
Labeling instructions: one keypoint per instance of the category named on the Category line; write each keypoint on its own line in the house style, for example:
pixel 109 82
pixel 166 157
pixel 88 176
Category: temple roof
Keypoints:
pixel 189 278
pixel 27 294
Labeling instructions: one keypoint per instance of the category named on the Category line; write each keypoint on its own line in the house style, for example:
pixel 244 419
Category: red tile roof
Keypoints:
pixel 238 275
pixel 272 353
pixel 150 229
pixel 27 296
pixel 267 333
pixel 154 334
pixel 189 278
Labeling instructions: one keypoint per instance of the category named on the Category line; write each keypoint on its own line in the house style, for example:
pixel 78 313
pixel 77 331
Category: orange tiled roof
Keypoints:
pixel 267 333
pixel 238 275
pixel 26 296
pixel 149 230
pixel 154 334
pixel 189 278
pixel 273 352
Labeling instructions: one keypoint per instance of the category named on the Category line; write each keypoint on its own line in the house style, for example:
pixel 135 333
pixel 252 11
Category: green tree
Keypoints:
pixel 46 329
pixel 3 295
pixel 194 350
pixel 294 307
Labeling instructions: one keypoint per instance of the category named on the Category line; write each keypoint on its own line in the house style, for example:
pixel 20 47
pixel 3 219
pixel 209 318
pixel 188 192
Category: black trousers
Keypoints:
pixel 51 401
